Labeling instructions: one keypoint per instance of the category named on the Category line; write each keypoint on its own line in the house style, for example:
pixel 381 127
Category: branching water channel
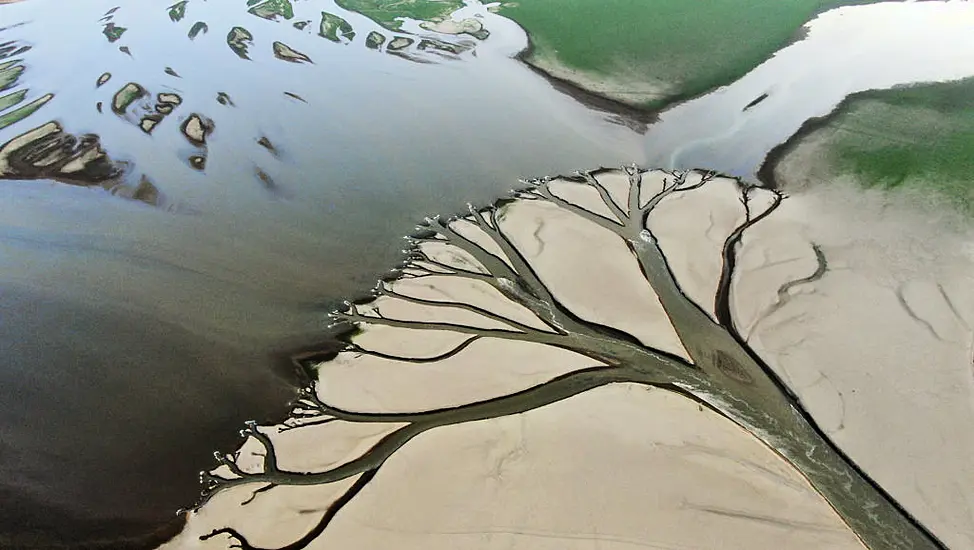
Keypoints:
pixel 713 364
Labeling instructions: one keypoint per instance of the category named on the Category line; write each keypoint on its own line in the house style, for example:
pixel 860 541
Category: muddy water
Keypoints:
pixel 141 325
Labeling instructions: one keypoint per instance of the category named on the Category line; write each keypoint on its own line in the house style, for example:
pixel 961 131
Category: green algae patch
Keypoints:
pixel 16 115
pixel 272 9
pixel 652 53
pixel 178 10
pixel 388 14
pixel 10 100
pixel 197 28
pixel 127 95
pixel 239 39
pixel 375 40
pixel 113 32
pixel 9 73
pixel 284 52
pixel 335 28
pixel 917 139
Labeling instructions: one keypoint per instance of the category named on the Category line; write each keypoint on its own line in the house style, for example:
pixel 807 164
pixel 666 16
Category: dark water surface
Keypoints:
pixel 149 296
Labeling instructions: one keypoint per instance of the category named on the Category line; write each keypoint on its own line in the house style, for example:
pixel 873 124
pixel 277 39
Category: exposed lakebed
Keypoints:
pixel 272 160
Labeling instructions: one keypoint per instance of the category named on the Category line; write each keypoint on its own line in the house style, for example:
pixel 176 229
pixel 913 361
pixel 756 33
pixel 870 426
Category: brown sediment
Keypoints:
pixel 48 152
pixel 286 53
pixel 265 179
pixel 266 144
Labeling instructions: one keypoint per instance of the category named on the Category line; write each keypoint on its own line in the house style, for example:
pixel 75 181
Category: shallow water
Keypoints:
pixel 846 50
pixel 138 337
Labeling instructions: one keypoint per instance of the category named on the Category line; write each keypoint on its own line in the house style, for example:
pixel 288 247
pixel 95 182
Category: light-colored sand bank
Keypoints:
pixel 880 349
pixel 572 475
pixel 501 392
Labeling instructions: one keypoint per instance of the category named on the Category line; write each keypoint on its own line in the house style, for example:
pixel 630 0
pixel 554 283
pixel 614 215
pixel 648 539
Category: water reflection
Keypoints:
pixel 894 44
pixel 139 334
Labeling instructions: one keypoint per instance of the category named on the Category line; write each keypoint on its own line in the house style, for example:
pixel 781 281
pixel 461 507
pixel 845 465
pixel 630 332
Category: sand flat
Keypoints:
pixel 864 317
pixel 573 256
pixel 880 349
pixel 572 476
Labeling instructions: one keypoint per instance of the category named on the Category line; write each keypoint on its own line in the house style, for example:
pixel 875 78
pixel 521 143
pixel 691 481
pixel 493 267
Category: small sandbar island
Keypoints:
pixel 627 358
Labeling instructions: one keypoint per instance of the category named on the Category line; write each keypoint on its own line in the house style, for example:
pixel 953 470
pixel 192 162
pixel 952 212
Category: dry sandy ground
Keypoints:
pixel 621 467
pixel 881 349
pixel 877 346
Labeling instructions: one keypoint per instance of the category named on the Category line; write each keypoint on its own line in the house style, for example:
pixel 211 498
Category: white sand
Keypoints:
pixel 272 518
